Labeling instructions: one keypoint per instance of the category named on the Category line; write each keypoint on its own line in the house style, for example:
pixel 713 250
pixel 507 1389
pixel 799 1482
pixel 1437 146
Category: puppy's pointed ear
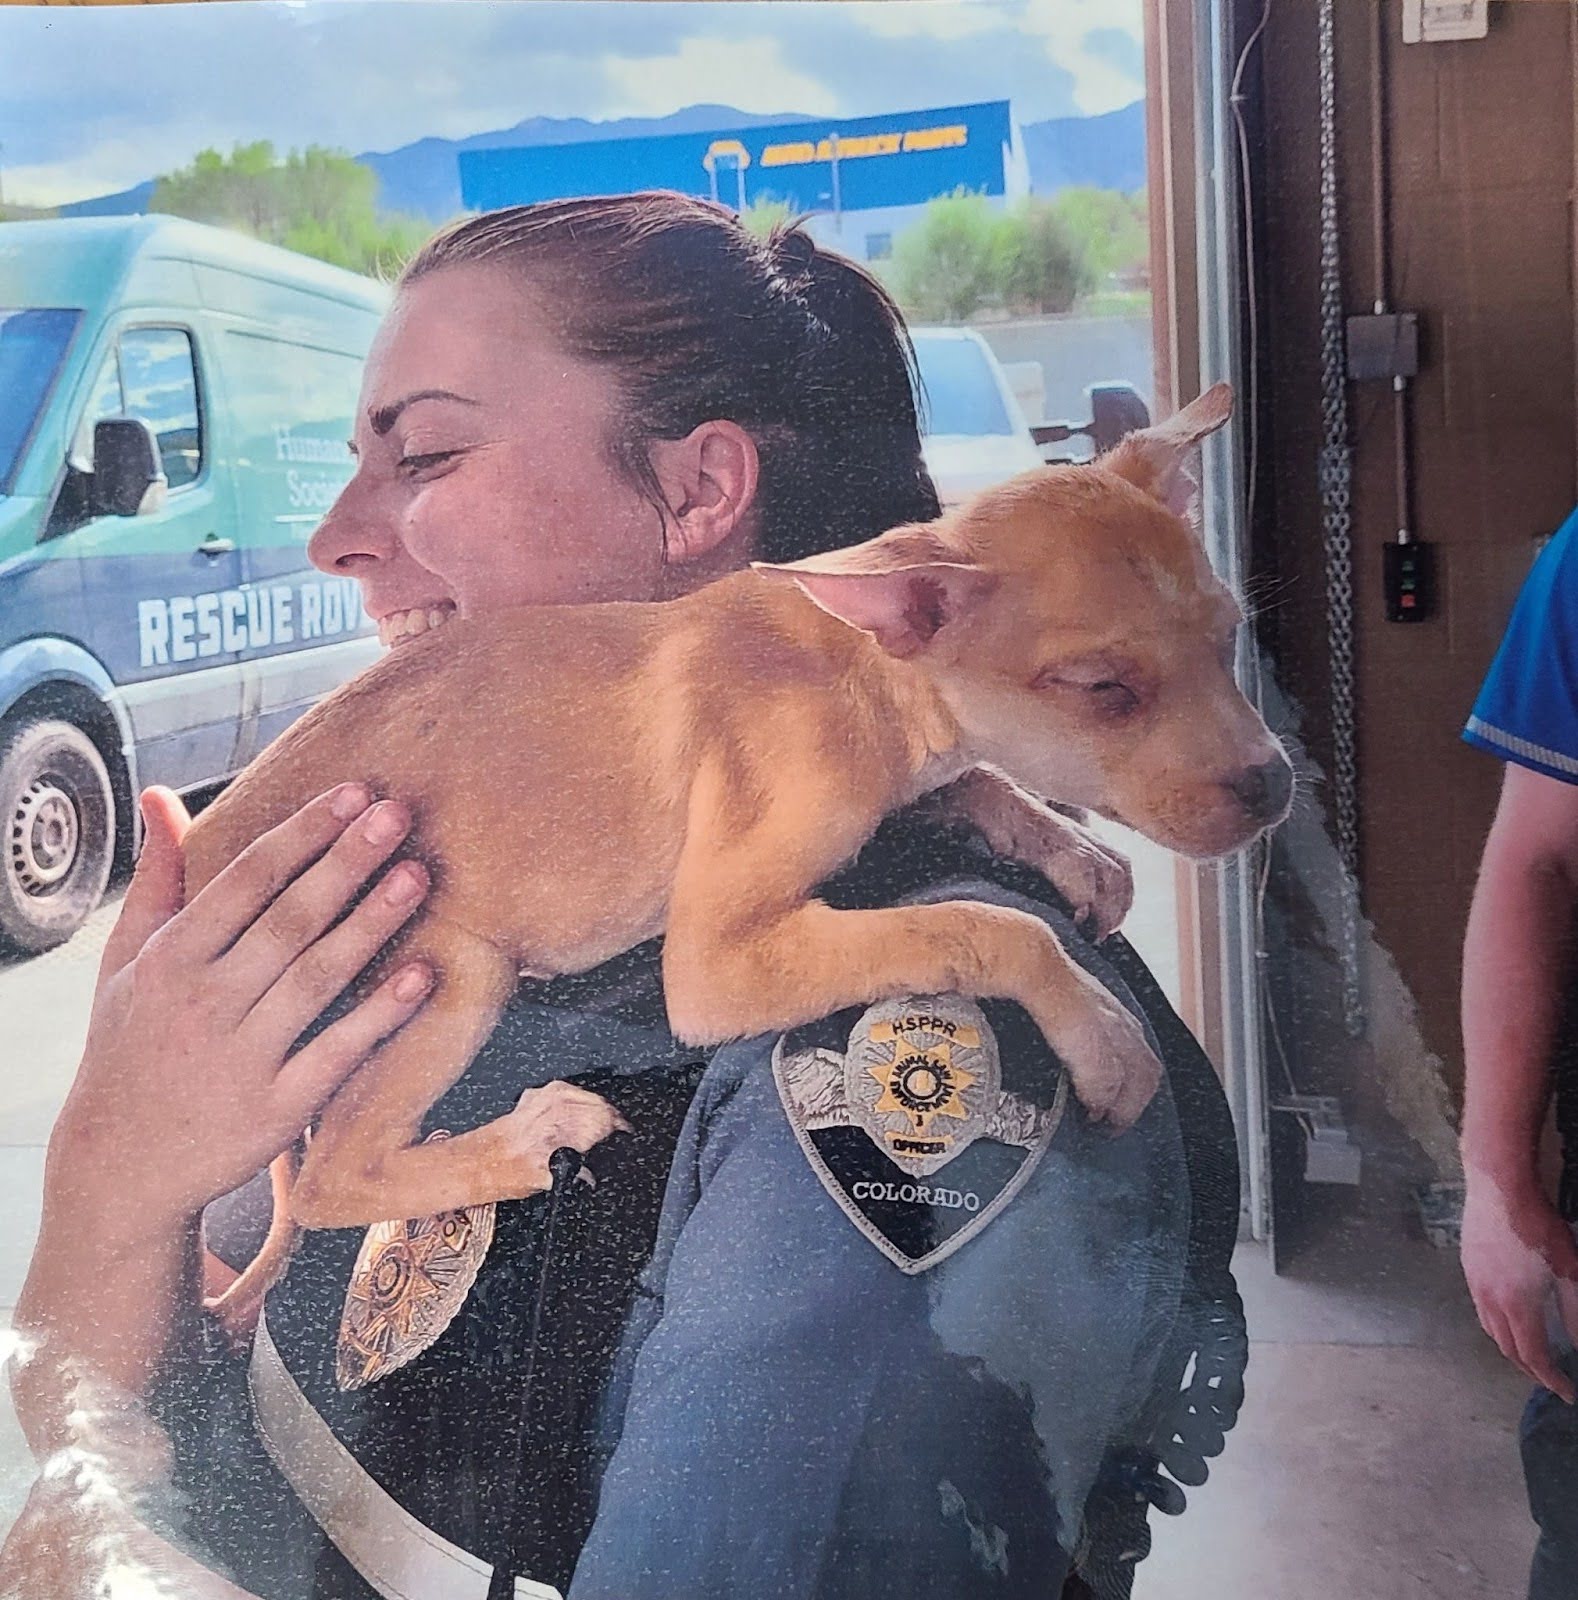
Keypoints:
pixel 1162 460
pixel 901 589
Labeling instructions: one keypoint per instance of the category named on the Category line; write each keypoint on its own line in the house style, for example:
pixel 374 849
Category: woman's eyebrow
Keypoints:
pixel 385 417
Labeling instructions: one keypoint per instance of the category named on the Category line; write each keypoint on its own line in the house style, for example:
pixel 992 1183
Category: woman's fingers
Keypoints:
pixel 224 909
pixel 322 971
pixel 311 1076
pixel 287 943
pixel 154 894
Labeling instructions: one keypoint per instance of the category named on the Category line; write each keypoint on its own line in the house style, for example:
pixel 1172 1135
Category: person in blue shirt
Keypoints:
pixel 1518 1015
pixel 744 1359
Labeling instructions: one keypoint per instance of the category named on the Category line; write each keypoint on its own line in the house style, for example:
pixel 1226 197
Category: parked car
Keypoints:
pixel 974 414
pixel 175 402
pixel 975 432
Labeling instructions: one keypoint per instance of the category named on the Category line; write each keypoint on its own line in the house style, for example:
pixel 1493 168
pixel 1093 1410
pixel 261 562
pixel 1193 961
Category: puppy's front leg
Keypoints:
pixel 364 1165
pixel 1096 881
pixel 729 976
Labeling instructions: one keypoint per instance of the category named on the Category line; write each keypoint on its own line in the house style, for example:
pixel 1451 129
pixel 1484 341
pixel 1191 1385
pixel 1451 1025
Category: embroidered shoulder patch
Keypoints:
pixel 917 1094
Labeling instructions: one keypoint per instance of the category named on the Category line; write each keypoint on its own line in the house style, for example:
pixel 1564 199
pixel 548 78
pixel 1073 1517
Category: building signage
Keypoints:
pixel 863 163
pixel 870 144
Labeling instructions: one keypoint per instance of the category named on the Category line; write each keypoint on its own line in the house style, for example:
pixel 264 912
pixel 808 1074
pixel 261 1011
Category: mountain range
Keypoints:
pixel 423 178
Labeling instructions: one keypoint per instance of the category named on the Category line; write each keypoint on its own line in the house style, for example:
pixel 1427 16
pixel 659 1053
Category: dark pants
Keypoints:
pixel 1549 1440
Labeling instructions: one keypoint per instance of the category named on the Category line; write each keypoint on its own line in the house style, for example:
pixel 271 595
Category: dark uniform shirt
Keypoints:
pixel 790 1412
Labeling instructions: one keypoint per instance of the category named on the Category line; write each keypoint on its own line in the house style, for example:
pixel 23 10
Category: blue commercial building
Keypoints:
pixel 860 179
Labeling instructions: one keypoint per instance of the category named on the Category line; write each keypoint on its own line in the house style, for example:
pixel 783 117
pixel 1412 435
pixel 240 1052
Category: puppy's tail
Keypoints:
pixel 237 1308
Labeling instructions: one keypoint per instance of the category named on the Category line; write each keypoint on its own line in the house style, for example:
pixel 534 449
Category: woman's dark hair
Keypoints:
pixel 701 320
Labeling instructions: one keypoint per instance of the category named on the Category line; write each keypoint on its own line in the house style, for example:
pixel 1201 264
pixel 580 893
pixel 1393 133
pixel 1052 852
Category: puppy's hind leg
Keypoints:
pixel 236 1307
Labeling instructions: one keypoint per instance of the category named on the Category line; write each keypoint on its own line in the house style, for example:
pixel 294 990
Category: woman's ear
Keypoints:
pixel 709 481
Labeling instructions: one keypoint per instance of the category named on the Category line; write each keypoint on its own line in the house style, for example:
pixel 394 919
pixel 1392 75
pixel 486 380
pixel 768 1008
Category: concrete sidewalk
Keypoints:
pixel 1376 1457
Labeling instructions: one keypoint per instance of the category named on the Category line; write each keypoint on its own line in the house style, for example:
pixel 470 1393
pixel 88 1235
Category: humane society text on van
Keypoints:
pixel 188 627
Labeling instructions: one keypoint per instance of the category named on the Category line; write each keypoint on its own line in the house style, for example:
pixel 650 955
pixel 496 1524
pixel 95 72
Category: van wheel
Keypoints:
pixel 57 813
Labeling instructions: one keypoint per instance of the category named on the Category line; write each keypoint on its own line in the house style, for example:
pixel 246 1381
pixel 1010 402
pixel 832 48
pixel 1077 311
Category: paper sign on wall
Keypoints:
pixel 1435 21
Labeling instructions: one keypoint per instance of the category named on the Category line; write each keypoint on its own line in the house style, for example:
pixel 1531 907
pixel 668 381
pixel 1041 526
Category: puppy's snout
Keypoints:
pixel 1264 791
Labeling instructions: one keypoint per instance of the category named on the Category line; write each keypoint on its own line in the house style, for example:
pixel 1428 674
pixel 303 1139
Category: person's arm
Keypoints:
pixel 1517 961
pixel 63 1544
pixel 189 1084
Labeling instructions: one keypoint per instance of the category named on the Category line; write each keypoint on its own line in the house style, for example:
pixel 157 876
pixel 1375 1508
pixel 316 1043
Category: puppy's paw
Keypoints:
pixel 556 1116
pixel 1097 882
pixel 1111 1066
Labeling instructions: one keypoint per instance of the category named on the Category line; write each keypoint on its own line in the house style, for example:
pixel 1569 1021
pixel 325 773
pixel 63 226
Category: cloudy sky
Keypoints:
pixel 96 98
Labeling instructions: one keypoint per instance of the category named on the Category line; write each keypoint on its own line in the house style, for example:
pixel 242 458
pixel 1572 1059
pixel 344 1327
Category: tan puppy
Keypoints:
pixel 585 778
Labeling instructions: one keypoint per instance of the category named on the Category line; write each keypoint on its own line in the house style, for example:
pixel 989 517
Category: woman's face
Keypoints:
pixel 483 478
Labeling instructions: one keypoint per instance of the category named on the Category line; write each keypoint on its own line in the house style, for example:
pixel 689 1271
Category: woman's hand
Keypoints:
pixel 189 1084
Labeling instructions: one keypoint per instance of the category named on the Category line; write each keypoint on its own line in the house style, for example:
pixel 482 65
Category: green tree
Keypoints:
pixel 1042 255
pixel 1114 228
pixel 949 264
pixel 316 201
pixel 241 190
pixel 963 257
pixel 1043 264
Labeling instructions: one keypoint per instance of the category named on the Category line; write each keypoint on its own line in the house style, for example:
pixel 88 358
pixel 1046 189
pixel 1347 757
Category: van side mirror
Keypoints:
pixel 126 467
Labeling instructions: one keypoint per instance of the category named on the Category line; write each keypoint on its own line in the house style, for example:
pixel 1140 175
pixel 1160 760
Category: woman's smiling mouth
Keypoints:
pixel 395 627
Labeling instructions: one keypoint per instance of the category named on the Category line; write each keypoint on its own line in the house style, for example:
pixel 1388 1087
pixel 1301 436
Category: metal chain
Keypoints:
pixel 1336 479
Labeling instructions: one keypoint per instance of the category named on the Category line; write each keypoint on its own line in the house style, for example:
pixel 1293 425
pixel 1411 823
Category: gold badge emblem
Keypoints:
pixel 921 1081
pixel 922 1077
pixel 410 1279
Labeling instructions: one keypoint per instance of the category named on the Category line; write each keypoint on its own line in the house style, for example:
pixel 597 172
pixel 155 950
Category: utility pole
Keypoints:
pixel 838 209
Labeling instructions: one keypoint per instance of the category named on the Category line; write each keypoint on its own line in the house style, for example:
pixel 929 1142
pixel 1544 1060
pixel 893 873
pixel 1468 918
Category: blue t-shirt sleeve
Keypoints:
pixel 1527 710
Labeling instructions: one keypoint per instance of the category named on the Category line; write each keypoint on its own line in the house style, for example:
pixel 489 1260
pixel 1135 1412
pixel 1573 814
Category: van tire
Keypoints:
pixel 57 832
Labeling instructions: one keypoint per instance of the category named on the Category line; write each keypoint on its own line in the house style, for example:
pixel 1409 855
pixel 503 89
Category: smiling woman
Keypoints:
pixel 597 400
pixel 459 425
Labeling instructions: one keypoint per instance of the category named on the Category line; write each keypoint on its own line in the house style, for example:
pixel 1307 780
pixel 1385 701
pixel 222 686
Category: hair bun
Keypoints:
pixel 793 252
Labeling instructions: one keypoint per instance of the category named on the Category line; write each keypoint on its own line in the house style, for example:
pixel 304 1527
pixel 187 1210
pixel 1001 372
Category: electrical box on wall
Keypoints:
pixel 1383 345
pixel 1407 571
pixel 1436 21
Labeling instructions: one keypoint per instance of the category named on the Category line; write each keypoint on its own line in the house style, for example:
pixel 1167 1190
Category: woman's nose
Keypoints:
pixel 350 534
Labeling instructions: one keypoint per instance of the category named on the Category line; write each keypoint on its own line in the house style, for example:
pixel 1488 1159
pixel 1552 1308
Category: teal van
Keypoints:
pixel 175 402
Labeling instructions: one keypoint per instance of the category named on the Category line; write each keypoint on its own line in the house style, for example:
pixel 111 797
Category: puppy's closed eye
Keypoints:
pixel 1112 698
pixel 1106 696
